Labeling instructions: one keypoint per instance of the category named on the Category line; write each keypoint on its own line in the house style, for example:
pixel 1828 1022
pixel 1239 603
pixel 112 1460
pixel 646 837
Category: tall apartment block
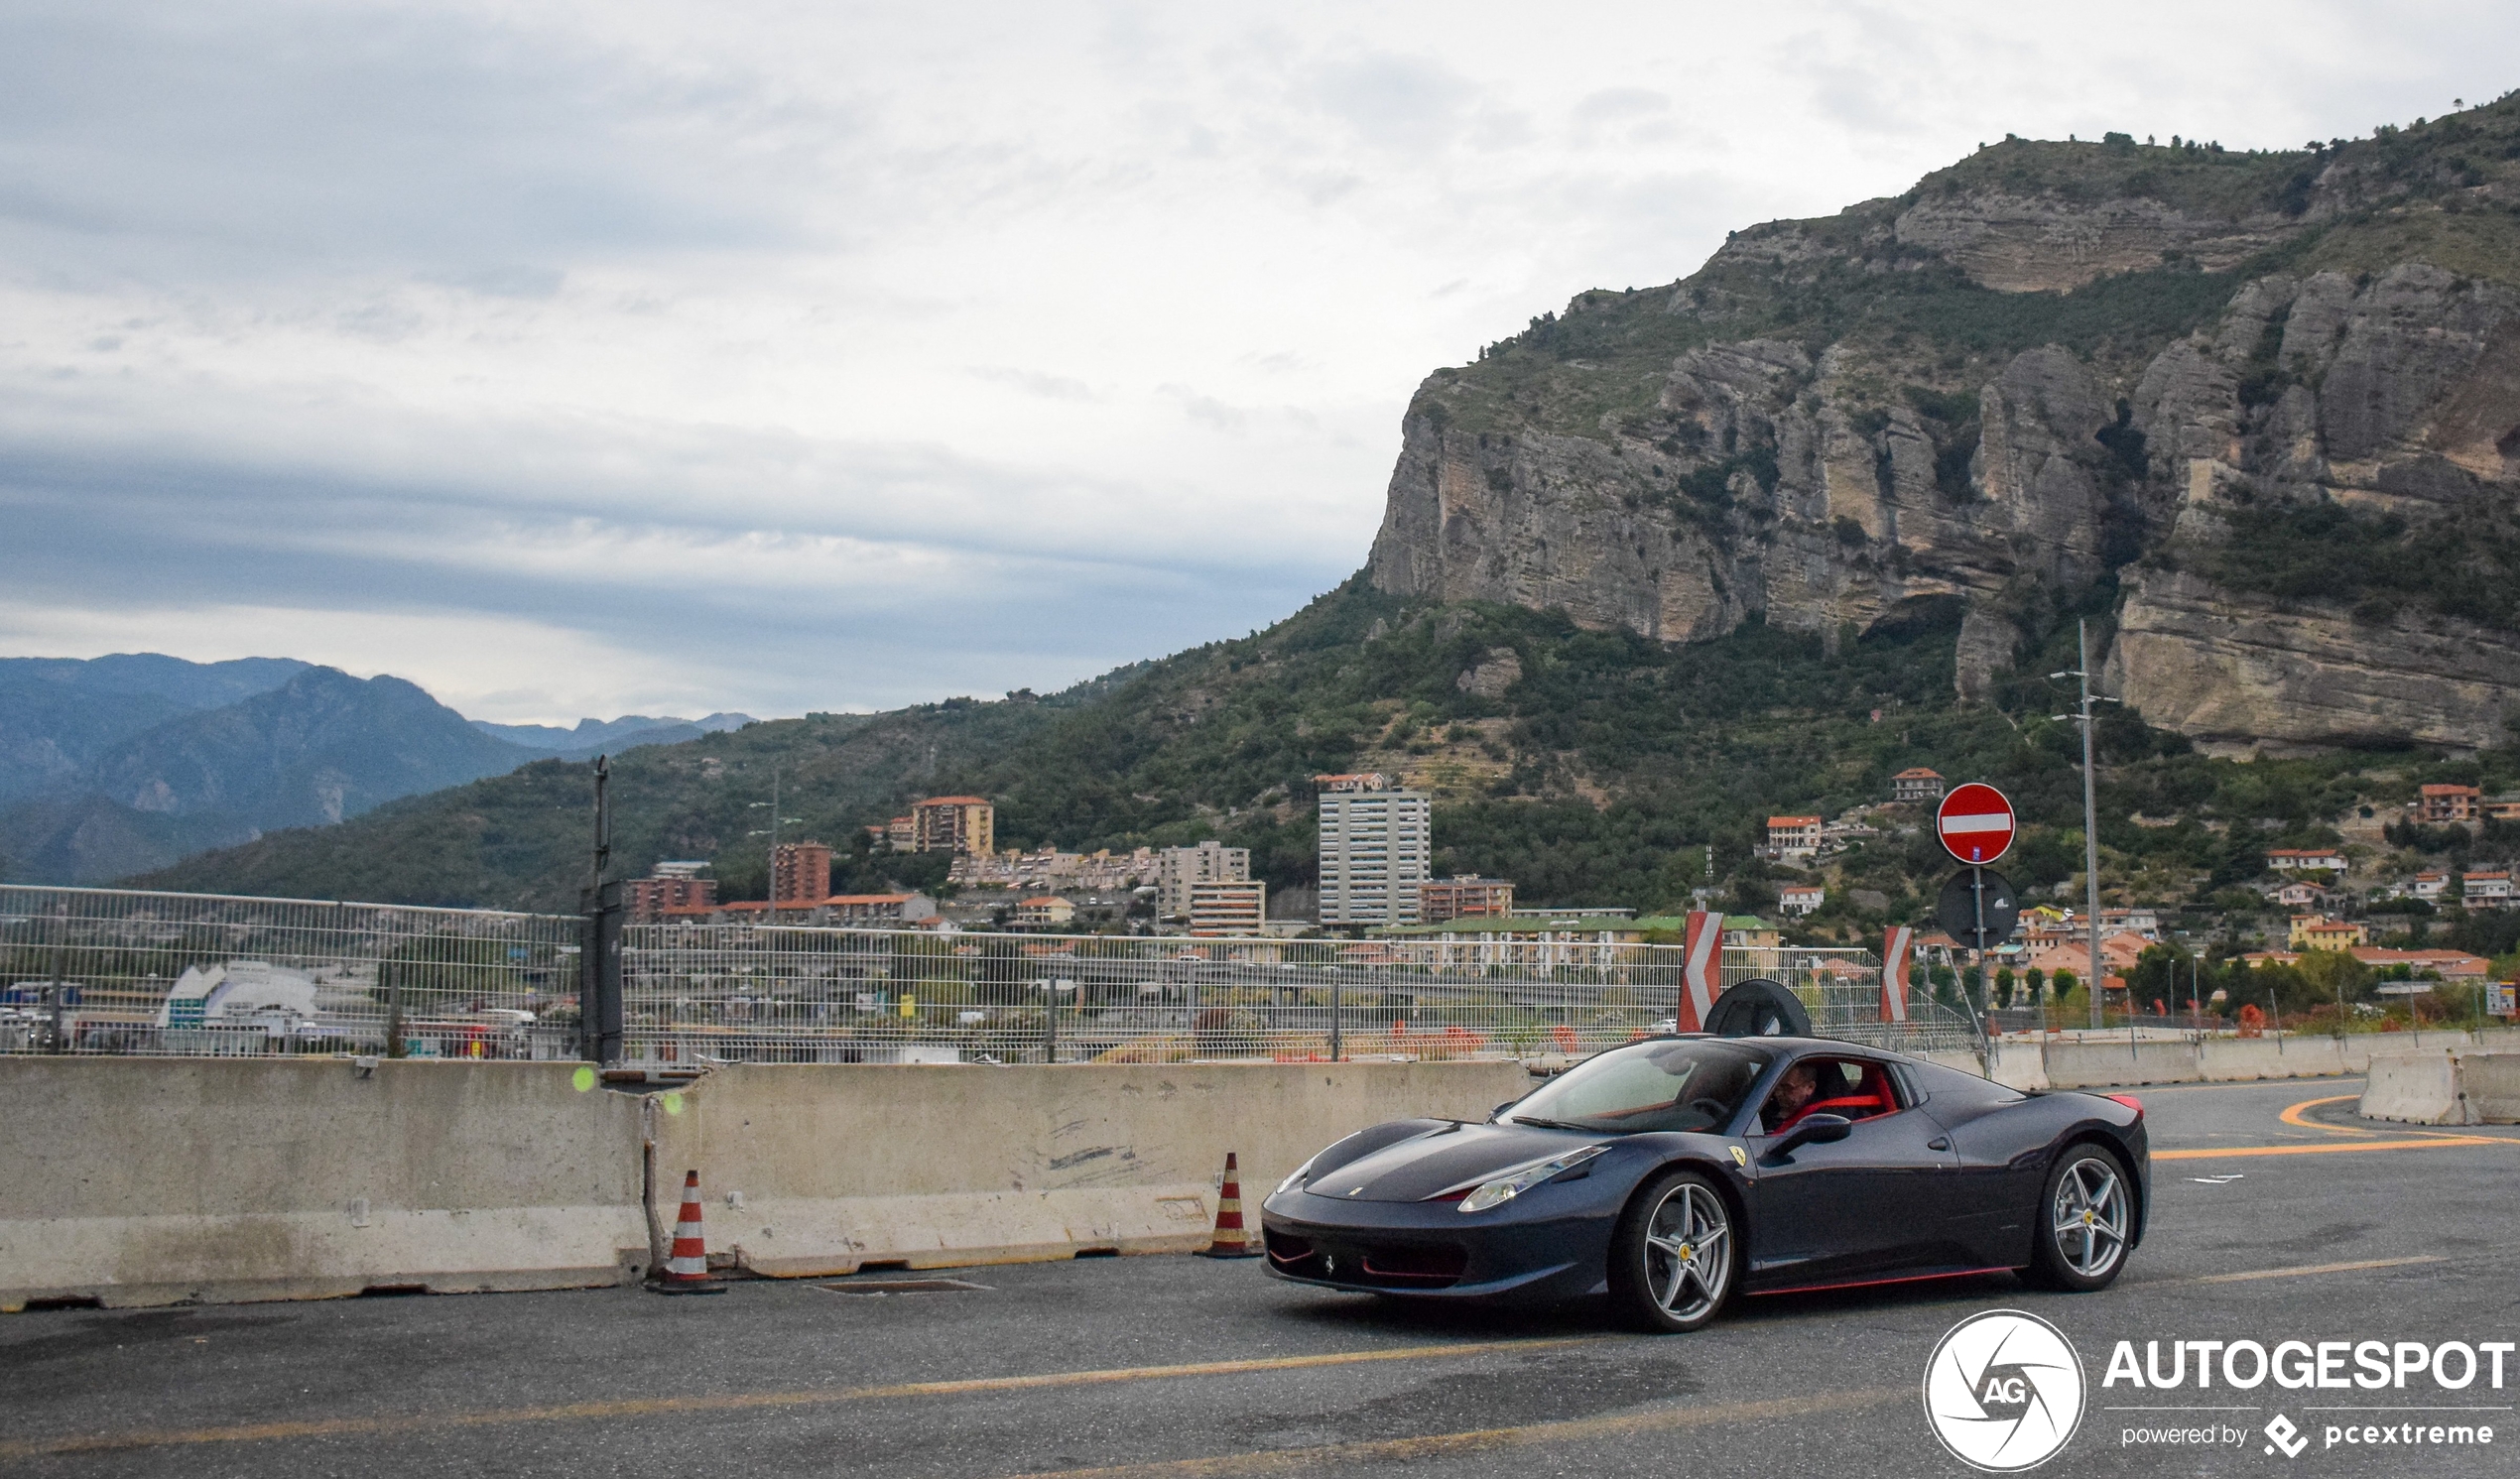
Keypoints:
pixel 1179 868
pixel 1376 847
pixel 953 823
pixel 800 874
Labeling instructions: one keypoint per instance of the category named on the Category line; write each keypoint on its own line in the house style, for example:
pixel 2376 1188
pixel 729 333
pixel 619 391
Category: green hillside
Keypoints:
pixel 1602 777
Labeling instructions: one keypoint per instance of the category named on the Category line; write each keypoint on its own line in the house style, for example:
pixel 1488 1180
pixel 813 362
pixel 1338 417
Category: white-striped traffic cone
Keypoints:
pixel 1232 1239
pixel 686 1268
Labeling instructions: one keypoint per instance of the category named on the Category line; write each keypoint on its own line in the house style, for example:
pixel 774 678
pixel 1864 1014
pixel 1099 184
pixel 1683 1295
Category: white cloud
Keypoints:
pixel 793 356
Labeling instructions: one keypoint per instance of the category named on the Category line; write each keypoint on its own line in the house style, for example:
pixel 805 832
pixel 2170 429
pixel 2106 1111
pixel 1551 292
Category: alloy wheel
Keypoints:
pixel 2088 1220
pixel 1689 1252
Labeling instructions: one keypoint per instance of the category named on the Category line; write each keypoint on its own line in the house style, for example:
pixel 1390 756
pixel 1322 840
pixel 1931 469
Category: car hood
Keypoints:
pixel 1423 1165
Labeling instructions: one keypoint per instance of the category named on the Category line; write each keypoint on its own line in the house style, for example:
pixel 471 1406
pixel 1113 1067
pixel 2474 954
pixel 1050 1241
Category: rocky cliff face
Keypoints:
pixel 2050 368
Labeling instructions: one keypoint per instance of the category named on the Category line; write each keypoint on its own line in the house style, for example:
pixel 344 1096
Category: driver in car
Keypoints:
pixel 1792 1092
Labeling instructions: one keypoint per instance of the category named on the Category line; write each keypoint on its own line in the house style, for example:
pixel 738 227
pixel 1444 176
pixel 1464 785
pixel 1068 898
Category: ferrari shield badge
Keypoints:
pixel 1740 1157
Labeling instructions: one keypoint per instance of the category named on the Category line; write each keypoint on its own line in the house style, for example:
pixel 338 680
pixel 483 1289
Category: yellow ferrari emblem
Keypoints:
pixel 1740 1157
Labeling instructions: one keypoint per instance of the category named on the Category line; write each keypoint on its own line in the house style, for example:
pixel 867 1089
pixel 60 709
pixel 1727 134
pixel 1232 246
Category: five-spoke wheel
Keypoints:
pixel 2086 1218
pixel 1673 1259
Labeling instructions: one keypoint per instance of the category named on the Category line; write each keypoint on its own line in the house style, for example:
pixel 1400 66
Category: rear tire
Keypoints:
pixel 1675 1254
pixel 2082 1225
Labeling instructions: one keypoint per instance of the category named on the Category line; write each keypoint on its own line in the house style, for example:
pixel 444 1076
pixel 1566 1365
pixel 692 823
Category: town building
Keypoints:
pixel 1794 837
pixel 1220 906
pixel 2443 965
pixel 2300 894
pixel 1801 899
pixel 1046 911
pixel 800 874
pixel 1464 896
pixel 2447 803
pixel 2490 888
pixel 1179 869
pixel 1376 848
pixel 2297 859
pixel 1047 869
pixel 2429 886
pixel 879 910
pixel 1582 912
pixel 2502 808
pixel 1917 784
pixel 676 885
pixel 2141 918
pixel 1361 781
pixel 1750 932
pixel 953 823
pixel 2321 932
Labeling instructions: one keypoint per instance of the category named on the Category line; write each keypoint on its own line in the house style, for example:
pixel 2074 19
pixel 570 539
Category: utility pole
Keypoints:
pixel 2091 819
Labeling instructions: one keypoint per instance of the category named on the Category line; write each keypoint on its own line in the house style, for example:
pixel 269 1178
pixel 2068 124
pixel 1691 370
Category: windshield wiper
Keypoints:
pixel 1525 1119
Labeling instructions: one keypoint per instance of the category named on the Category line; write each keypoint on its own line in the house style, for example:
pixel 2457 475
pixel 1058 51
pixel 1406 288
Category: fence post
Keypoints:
pixel 599 1014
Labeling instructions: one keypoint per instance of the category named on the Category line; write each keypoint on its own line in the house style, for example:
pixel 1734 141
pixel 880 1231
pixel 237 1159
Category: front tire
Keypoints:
pixel 2087 1213
pixel 1674 1256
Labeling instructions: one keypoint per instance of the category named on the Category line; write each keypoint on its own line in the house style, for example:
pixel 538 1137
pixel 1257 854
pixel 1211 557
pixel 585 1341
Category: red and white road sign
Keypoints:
pixel 1975 823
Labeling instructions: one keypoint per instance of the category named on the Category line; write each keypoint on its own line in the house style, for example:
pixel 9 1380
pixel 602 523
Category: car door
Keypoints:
pixel 2000 1161
pixel 1855 1207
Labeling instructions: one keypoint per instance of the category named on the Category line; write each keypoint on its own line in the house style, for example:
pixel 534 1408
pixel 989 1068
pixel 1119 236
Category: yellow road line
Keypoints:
pixel 1449 1444
pixel 2310 1269
pixel 646 1406
pixel 2332 1148
pixel 2292 1116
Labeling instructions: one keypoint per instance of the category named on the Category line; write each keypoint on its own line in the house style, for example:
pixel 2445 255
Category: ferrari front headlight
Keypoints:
pixel 1514 1183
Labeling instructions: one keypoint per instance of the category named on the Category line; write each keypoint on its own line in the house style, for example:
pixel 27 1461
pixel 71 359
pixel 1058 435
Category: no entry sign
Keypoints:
pixel 1975 823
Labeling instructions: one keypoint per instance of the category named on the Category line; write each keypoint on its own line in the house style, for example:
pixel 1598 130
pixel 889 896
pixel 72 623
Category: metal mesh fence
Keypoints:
pixel 700 993
pixel 96 970
pixel 102 970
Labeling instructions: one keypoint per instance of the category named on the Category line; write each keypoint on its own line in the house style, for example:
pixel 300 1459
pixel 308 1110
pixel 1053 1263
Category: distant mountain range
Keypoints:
pixel 124 764
pixel 594 737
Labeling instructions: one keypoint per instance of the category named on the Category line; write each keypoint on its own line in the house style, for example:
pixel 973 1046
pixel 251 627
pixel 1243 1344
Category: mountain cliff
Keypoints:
pixel 2265 406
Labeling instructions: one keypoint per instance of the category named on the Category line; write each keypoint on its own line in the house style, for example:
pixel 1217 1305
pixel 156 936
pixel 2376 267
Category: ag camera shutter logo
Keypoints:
pixel 2004 1391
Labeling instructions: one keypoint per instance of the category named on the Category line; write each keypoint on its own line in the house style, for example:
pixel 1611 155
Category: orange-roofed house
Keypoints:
pixel 1793 837
pixel 2319 933
pixel 1048 912
pixel 1917 783
pixel 2446 804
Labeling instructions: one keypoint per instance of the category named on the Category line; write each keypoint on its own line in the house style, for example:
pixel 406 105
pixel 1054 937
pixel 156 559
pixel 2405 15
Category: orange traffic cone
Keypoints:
pixel 1232 1239
pixel 686 1268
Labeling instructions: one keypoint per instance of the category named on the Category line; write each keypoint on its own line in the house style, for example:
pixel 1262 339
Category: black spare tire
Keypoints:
pixel 1759 1008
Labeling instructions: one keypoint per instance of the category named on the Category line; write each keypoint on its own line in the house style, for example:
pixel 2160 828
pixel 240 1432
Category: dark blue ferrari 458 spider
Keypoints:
pixel 1675 1172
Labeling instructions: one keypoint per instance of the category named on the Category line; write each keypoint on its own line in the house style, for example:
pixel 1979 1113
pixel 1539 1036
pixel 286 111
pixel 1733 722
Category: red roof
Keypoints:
pixel 956 801
pixel 1917 772
pixel 1793 821
pixel 2452 791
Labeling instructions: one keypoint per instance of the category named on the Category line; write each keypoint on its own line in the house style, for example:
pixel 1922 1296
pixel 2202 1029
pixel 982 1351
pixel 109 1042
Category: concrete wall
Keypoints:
pixel 155 1180
pixel 2072 1064
pixel 2474 1086
pixel 147 1181
pixel 934 1167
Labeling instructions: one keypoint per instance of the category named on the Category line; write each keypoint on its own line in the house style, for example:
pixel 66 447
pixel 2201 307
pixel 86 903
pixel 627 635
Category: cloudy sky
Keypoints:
pixel 596 358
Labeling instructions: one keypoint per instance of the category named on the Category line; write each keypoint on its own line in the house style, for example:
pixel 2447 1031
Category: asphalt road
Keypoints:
pixel 1185 1367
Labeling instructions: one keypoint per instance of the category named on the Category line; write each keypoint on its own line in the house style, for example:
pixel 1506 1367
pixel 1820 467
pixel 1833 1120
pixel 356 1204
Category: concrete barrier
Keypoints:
pixel 2491 1083
pixel 2416 1088
pixel 149 1181
pixel 2449 1088
pixel 161 1180
pixel 931 1169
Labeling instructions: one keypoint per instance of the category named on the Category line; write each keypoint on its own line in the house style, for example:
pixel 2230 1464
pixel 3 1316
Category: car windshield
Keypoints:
pixel 1698 1084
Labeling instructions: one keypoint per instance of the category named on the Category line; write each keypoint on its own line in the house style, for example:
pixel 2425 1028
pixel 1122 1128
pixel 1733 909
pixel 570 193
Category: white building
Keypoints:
pixel 1801 899
pixel 1179 869
pixel 1376 849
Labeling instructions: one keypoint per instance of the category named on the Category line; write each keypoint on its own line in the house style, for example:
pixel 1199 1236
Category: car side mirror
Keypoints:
pixel 1814 1129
